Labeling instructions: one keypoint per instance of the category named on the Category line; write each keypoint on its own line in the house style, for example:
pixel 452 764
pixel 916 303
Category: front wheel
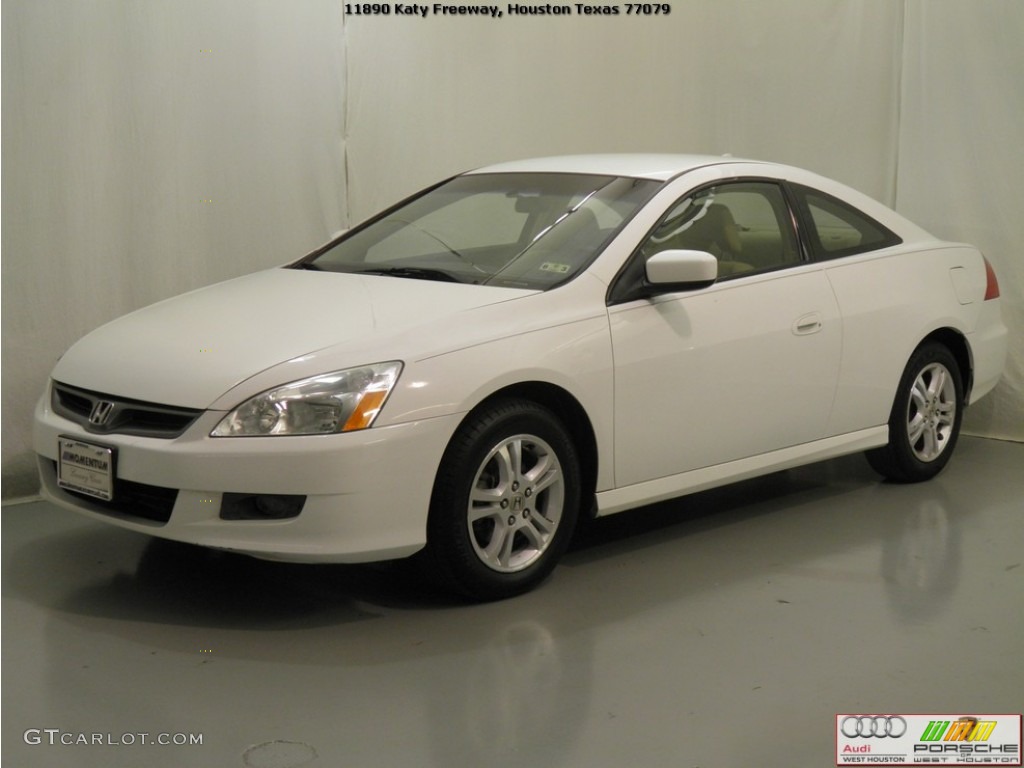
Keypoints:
pixel 505 501
pixel 925 419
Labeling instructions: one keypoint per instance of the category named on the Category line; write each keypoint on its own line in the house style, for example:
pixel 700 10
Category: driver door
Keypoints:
pixel 744 367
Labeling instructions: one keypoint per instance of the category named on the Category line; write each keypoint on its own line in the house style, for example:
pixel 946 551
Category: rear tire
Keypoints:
pixel 505 502
pixel 925 420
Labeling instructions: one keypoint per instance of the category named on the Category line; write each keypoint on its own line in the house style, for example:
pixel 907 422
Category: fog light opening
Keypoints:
pixel 268 506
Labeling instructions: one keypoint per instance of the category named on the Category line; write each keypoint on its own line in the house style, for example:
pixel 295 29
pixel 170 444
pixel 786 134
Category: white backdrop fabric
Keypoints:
pixel 152 146
pixel 961 158
pixel 810 83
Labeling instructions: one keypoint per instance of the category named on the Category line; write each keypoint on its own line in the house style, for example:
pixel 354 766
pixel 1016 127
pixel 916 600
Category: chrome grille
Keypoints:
pixel 108 414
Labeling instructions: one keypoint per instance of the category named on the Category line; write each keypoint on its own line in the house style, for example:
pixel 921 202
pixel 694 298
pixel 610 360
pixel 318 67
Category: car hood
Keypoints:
pixel 189 350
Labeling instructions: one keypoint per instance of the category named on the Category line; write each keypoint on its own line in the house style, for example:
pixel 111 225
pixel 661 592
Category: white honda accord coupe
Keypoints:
pixel 464 375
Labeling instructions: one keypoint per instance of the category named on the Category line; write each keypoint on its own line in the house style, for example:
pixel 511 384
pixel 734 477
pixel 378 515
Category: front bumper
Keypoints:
pixel 367 493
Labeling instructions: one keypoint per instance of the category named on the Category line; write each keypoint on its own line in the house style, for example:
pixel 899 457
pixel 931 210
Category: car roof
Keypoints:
pixel 660 167
pixel 664 167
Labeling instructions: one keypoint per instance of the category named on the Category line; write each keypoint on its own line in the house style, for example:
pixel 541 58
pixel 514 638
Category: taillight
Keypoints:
pixel 991 283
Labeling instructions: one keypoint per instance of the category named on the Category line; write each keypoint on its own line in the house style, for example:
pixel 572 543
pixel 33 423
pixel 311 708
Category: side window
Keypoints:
pixel 745 225
pixel 836 229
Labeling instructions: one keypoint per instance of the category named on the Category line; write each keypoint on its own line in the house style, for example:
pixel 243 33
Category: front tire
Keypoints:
pixel 505 501
pixel 925 420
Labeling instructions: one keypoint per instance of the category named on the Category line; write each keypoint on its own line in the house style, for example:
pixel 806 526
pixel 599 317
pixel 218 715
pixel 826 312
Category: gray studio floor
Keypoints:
pixel 725 629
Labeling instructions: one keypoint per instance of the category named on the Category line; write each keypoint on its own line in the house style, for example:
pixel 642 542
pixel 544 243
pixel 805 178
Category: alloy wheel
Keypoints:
pixel 516 503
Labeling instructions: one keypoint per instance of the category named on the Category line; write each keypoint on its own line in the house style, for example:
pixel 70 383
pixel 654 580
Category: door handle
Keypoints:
pixel 808 324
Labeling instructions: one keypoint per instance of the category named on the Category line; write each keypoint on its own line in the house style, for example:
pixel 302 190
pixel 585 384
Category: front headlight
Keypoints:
pixel 334 402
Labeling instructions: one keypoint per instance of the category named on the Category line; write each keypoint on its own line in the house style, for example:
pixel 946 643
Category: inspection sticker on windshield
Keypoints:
pixel 552 266
pixel 85 468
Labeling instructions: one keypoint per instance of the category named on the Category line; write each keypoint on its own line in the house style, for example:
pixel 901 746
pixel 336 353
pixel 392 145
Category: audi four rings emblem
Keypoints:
pixel 873 726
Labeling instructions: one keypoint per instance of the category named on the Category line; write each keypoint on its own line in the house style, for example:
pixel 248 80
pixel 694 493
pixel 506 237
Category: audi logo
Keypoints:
pixel 873 726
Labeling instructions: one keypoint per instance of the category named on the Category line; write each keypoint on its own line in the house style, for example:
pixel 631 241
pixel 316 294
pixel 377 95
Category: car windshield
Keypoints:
pixel 521 230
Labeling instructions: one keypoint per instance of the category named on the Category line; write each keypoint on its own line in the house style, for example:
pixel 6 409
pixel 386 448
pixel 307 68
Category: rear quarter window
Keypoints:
pixel 836 228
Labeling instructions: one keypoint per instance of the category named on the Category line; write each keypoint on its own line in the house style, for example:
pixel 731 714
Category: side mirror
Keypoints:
pixel 671 271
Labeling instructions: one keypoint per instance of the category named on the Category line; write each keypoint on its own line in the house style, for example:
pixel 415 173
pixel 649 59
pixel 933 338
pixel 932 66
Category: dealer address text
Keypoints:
pixel 511 9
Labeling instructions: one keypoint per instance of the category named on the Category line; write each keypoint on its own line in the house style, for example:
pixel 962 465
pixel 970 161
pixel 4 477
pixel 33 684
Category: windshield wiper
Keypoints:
pixel 434 237
pixel 416 273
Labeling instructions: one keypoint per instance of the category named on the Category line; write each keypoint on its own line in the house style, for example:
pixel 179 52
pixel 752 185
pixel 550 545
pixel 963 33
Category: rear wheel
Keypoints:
pixel 505 501
pixel 925 420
